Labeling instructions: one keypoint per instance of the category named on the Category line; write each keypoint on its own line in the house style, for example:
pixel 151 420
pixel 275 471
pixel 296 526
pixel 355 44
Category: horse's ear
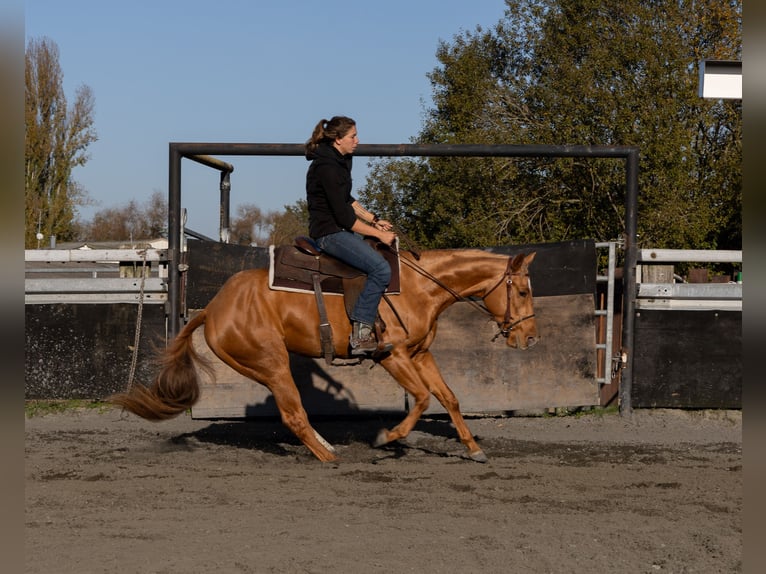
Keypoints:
pixel 517 261
pixel 521 261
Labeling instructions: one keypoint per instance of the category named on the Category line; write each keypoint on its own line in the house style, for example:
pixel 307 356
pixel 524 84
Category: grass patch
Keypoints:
pixel 37 408
pixel 598 411
pixel 581 412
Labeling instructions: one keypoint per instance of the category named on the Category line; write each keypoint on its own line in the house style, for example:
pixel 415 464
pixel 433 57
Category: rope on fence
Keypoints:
pixel 139 315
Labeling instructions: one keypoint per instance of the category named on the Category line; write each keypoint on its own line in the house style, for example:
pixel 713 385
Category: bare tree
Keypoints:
pixel 287 225
pixel 250 226
pixel 156 214
pixel 131 221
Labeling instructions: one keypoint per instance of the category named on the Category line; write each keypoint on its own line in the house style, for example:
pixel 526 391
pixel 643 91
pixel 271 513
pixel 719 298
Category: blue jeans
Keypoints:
pixel 352 249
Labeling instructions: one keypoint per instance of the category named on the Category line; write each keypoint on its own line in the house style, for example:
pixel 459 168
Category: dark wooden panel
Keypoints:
pixel 687 359
pixel 564 268
pixel 212 263
pixel 85 351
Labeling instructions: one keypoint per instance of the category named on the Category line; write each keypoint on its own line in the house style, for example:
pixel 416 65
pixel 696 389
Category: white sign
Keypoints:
pixel 720 79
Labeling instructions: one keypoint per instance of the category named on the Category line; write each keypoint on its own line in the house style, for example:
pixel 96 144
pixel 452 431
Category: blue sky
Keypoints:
pixel 242 71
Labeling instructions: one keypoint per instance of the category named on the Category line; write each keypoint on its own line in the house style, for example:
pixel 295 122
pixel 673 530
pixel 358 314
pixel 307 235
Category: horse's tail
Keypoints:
pixel 176 387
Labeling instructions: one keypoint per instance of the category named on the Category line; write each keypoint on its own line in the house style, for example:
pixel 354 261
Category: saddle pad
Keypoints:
pixel 291 269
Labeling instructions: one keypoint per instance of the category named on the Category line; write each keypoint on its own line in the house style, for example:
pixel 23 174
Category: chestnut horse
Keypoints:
pixel 252 328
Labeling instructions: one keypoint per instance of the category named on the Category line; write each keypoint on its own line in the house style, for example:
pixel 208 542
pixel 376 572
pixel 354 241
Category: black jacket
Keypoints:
pixel 328 191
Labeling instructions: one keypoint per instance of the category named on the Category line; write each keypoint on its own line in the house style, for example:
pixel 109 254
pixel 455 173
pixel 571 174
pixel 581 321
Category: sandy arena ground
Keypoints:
pixel 658 492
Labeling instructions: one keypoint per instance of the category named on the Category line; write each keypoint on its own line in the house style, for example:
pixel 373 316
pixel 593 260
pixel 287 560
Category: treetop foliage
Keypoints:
pixel 56 139
pixel 579 72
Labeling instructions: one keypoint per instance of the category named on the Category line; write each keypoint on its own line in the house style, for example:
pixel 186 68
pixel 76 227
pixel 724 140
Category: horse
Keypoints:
pixel 253 328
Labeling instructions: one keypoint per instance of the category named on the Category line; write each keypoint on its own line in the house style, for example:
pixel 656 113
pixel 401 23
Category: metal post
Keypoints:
pixel 225 206
pixel 629 281
pixel 174 243
pixel 609 340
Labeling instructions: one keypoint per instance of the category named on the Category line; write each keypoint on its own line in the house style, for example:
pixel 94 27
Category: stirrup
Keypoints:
pixel 384 347
pixel 371 347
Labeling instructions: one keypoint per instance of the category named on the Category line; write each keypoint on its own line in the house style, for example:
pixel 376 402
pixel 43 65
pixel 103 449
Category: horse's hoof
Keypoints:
pixel 478 456
pixel 381 439
pixel 324 443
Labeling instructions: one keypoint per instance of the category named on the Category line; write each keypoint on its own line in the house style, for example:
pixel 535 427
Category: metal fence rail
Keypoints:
pixel 652 294
pixel 95 276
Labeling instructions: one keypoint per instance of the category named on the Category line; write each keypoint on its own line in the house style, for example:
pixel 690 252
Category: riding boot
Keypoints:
pixel 363 340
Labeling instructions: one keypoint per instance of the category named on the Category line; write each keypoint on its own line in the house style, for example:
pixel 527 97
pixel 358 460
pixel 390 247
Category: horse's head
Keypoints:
pixel 510 302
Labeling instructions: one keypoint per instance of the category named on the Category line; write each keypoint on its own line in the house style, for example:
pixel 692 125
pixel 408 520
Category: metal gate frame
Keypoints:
pixel 201 152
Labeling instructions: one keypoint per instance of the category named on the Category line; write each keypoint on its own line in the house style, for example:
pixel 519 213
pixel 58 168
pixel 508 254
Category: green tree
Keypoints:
pixel 56 140
pixel 578 72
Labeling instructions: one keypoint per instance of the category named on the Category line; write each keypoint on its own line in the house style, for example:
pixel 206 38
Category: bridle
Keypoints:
pixel 508 323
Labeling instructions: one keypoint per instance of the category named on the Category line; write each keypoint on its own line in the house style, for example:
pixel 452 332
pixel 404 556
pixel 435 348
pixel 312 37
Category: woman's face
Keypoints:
pixel 347 144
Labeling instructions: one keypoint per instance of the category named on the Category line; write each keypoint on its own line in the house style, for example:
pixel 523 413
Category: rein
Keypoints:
pixel 508 323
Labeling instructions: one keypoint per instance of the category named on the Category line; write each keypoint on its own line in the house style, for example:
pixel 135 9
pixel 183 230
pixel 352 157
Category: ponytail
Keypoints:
pixel 328 131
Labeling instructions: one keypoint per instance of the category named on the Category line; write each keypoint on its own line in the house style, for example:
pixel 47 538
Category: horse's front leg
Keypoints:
pixel 429 372
pixel 401 367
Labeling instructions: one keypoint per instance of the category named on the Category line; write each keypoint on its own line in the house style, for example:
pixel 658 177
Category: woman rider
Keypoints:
pixel 337 223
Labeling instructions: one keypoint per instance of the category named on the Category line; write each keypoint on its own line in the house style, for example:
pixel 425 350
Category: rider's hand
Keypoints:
pixel 387 237
pixel 384 225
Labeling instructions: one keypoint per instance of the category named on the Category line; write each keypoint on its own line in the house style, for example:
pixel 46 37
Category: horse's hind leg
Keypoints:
pixel 274 373
pixel 294 417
